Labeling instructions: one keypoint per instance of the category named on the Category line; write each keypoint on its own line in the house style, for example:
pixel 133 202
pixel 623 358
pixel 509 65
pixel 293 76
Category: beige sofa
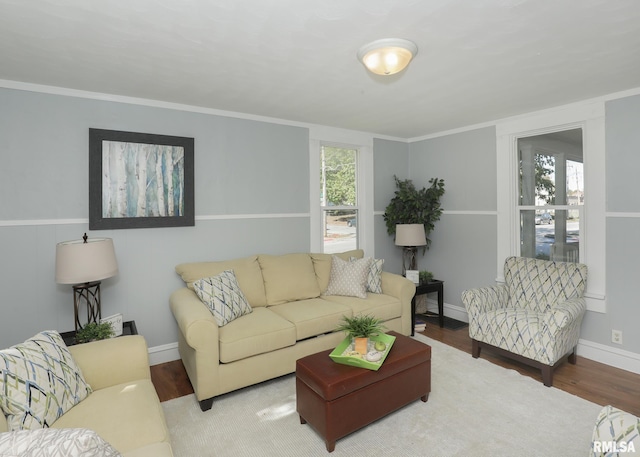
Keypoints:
pixel 291 318
pixel 123 408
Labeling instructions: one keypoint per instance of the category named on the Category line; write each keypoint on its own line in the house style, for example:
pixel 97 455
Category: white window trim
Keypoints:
pixel 319 136
pixel 590 117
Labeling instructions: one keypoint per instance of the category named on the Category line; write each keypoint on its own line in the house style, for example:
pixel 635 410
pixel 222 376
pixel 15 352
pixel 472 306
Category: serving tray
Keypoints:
pixel 338 357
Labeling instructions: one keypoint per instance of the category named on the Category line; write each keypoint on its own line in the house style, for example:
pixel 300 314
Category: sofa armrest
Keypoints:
pixel 198 343
pixel 113 361
pixel 195 321
pixel 483 299
pixel 397 286
pixel 404 290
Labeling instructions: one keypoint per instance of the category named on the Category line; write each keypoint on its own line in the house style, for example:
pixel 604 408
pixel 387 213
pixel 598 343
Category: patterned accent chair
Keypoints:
pixel 616 432
pixel 534 317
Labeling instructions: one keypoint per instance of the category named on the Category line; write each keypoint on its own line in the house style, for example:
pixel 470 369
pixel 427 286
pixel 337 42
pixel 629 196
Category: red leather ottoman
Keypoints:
pixel 338 399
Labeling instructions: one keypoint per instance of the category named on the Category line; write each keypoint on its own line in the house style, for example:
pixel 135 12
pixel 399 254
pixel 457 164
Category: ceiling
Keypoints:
pixel 478 60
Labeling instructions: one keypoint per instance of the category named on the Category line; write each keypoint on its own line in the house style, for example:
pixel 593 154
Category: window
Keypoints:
pixel 515 229
pixel 339 198
pixel 551 195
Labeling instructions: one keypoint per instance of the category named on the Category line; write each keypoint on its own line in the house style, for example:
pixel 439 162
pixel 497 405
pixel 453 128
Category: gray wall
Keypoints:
pixel 389 158
pixel 245 167
pixel 242 167
pixel 463 243
pixel 623 240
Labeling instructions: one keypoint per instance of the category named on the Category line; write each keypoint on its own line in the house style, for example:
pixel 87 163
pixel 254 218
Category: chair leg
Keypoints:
pixel 572 357
pixel 547 375
pixel 475 349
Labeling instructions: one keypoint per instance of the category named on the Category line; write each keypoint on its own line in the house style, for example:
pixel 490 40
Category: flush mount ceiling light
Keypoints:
pixel 387 56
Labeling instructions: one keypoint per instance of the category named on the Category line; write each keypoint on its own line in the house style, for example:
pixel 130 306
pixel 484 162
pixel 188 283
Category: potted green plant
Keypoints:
pixel 360 328
pixel 415 206
pixel 94 331
pixel 425 276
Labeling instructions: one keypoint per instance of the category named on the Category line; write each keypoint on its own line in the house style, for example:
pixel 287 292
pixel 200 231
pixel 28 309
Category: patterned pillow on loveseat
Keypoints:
pixel 51 442
pixel 39 382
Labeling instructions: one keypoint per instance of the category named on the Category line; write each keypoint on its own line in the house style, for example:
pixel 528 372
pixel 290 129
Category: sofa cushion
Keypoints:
pixel 128 416
pixel 223 297
pixel 513 329
pixel 48 442
pixel 380 306
pixel 152 450
pixel 288 277
pixel 348 277
pixel 39 382
pixel 312 317
pixel 247 271
pixel 322 265
pixel 259 332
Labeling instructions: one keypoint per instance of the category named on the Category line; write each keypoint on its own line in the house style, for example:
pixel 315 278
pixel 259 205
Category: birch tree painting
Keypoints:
pixel 142 180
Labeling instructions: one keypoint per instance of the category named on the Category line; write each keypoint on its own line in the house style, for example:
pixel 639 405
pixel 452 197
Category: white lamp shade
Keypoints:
pixel 78 262
pixel 410 235
pixel 387 56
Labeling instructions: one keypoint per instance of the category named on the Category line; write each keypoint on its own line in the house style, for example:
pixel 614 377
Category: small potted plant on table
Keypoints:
pixel 425 276
pixel 360 329
pixel 94 331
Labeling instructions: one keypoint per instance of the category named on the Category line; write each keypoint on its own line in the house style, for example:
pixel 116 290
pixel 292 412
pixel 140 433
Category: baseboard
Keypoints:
pixel 455 312
pixel 619 358
pixel 163 354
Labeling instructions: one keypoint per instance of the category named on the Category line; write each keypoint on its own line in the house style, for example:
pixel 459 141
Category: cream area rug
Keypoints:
pixel 475 408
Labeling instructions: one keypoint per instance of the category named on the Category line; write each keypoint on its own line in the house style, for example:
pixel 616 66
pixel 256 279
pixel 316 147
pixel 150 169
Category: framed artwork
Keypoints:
pixel 139 180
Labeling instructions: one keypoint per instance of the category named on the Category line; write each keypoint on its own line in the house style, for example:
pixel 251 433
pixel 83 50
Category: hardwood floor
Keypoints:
pixel 593 381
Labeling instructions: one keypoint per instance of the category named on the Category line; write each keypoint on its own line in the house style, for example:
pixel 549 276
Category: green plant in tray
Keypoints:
pixel 361 326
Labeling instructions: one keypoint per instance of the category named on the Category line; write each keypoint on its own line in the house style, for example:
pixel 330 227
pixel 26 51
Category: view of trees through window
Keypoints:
pixel 338 198
pixel 551 195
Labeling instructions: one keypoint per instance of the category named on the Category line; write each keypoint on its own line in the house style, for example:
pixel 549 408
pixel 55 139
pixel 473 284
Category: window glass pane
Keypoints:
pixel 340 230
pixel 551 180
pixel 537 171
pixel 338 198
pixel 338 176
pixel 565 245
pixel 575 183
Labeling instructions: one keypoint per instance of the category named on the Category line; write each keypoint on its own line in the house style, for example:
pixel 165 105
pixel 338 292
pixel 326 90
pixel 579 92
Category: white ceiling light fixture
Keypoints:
pixel 387 56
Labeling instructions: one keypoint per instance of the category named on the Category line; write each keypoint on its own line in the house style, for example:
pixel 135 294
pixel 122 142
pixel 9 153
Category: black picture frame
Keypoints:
pixel 131 152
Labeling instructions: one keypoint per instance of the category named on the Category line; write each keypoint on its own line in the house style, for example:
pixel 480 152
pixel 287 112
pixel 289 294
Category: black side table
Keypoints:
pixel 425 288
pixel 128 328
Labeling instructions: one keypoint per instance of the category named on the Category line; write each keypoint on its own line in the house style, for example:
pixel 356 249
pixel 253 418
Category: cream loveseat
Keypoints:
pixel 121 414
pixel 290 316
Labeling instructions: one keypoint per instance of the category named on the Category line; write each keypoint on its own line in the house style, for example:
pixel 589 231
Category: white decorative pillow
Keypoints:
pixel 39 382
pixel 52 442
pixel 223 297
pixel 374 279
pixel 348 278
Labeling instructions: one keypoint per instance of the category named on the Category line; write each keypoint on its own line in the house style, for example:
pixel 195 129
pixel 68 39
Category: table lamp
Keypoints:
pixel 410 236
pixel 85 263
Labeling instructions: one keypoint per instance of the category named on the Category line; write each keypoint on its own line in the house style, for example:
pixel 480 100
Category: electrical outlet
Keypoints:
pixel 616 336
